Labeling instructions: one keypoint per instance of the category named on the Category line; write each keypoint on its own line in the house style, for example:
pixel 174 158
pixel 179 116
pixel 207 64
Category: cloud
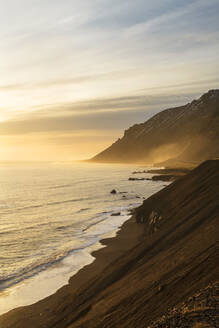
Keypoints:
pixel 72 67
pixel 61 52
pixel 206 83
pixel 66 81
pixel 97 115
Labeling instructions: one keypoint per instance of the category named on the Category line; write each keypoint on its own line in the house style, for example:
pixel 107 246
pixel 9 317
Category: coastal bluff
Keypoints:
pixel 163 257
pixel 174 137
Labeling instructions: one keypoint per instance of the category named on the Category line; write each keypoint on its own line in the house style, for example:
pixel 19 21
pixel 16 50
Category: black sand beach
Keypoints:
pixel 162 256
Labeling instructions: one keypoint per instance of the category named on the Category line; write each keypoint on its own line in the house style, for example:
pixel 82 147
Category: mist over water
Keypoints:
pixel 52 216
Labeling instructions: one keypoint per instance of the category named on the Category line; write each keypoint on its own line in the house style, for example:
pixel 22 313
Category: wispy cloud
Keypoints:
pixel 69 65
pixel 100 114
pixel 67 81
pixel 172 14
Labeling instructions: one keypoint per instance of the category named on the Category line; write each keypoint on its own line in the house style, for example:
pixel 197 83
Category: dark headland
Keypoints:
pixel 183 136
pixel 160 271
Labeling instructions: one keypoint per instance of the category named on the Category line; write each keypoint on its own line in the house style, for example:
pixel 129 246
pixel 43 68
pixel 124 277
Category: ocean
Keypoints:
pixel 52 216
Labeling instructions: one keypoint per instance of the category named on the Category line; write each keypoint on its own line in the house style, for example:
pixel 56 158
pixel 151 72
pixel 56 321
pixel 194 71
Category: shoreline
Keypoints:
pixel 17 295
pixel 108 250
pixel 131 282
pixel 39 279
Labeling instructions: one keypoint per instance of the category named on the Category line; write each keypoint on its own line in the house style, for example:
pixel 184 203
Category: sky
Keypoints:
pixel 75 74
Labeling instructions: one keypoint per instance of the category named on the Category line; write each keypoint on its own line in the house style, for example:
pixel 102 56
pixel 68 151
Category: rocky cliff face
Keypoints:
pixel 198 311
pixel 187 133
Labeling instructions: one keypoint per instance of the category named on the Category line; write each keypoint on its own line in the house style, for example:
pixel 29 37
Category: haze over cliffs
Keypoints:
pixel 187 133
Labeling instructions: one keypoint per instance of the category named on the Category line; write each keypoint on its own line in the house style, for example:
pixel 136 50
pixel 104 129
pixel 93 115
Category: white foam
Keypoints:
pixel 49 281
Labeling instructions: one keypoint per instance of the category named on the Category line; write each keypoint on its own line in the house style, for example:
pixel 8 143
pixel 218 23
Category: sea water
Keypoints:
pixel 52 216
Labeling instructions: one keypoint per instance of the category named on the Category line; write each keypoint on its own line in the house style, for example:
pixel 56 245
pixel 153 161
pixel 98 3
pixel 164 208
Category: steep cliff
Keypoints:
pixel 188 133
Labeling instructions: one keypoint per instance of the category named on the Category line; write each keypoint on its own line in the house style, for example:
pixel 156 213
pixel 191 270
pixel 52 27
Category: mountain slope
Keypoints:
pixel 187 133
pixel 172 257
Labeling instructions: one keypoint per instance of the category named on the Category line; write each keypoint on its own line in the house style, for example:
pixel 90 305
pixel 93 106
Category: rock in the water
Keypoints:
pixel 116 214
pixel 138 179
pixel 139 172
pixel 113 191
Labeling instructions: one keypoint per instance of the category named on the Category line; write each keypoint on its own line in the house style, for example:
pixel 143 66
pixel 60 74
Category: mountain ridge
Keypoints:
pixel 186 133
